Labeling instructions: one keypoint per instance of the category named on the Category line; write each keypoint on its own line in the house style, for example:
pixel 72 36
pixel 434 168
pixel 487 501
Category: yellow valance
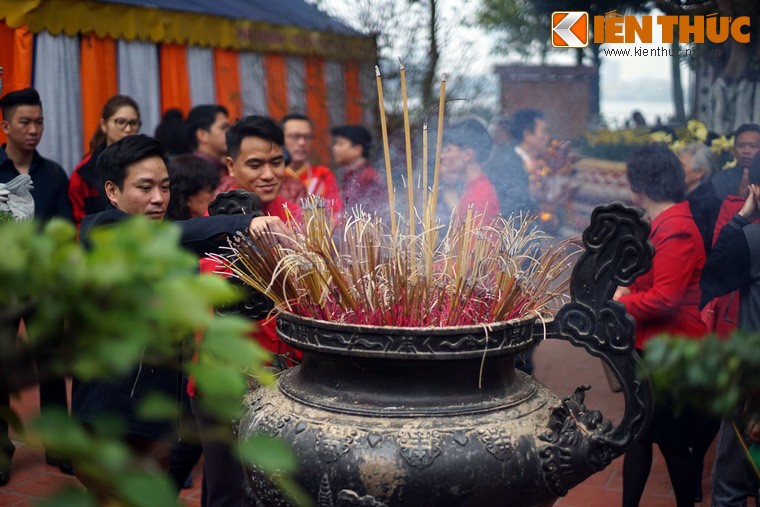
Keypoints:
pixel 121 21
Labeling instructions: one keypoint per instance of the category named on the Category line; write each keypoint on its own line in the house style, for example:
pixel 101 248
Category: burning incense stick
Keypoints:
pixel 425 217
pixel 437 163
pixel 480 273
pixel 386 151
pixel 408 143
pixel 362 274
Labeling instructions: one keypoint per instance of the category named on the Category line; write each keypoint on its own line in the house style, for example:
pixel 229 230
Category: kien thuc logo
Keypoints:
pixel 570 29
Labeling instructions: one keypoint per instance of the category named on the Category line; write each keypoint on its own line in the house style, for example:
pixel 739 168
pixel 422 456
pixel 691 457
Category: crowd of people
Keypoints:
pixel 704 237
pixel 703 228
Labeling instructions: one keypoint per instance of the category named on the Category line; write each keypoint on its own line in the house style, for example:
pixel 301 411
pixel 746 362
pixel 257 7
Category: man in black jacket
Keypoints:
pixel 136 182
pixel 734 263
pixel 24 124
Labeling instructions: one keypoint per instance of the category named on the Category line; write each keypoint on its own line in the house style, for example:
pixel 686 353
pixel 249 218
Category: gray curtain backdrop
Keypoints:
pixel 200 68
pixel 139 78
pixel 56 78
pixel 296 84
pixel 253 84
pixel 336 93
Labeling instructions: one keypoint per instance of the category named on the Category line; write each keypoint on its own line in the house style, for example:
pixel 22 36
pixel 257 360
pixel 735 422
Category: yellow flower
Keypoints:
pixel 722 144
pixel 678 145
pixel 697 129
pixel 661 137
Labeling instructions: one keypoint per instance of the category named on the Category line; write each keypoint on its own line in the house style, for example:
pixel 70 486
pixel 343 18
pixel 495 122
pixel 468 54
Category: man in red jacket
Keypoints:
pixel 318 179
pixel 464 184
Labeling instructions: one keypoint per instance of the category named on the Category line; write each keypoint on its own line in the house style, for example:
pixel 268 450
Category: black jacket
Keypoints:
pixel 705 207
pixel 51 185
pixel 506 171
pixel 120 397
pixel 734 263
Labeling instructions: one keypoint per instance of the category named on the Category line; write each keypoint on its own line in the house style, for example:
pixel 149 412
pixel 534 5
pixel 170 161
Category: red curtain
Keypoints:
pixel 354 112
pixel 316 107
pixel 175 80
pixel 16 53
pixel 227 75
pixel 98 80
pixel 277 85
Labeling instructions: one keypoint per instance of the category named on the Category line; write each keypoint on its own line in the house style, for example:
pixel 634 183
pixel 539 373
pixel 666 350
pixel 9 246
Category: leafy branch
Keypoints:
pixel 135 294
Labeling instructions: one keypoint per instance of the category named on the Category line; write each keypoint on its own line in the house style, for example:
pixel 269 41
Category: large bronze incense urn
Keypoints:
pixel 439 416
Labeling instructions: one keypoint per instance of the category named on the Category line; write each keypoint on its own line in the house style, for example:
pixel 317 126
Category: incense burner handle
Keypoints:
pixel 617 250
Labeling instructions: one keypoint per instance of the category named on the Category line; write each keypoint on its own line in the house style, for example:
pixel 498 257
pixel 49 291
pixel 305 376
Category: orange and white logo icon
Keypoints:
pixel 570 29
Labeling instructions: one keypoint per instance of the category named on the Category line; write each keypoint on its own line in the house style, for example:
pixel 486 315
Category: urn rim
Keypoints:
pixel 440 343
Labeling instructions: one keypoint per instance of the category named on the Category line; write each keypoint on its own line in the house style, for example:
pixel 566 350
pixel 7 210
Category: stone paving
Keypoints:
pixel 558 365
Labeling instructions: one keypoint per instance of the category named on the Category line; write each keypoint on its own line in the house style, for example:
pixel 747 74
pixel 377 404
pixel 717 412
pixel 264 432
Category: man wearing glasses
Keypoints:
pixel 319 180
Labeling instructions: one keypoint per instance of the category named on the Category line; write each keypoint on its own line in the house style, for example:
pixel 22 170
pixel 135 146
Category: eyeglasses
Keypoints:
pixel 122 123
pixel 300 137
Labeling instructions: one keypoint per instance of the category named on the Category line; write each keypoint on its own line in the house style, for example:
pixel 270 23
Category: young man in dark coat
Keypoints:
pixel 136 178
pixel 24 124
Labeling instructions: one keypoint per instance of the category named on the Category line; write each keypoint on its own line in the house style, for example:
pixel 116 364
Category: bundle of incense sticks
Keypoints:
pixel 365 272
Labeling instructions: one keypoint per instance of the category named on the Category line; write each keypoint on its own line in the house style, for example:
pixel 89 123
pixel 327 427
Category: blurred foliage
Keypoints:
pixel 711 374
pixel 135 294
pixel 612 144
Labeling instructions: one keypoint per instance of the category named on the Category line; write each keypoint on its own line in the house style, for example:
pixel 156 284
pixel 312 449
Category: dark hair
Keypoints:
pixel 655 171
pixel 171 132
pixel 25 97
pixel 113 162
pixel 295 116
pixel 524 120
pixel 188 175
pixel 747 127
pixel 112 105
pixel 470 133
pixel 202 117
pixel 357 134
pixel 262 127
pixel 236 202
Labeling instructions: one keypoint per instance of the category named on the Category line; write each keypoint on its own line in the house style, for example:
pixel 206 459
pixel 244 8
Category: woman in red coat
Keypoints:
pixel 665 301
